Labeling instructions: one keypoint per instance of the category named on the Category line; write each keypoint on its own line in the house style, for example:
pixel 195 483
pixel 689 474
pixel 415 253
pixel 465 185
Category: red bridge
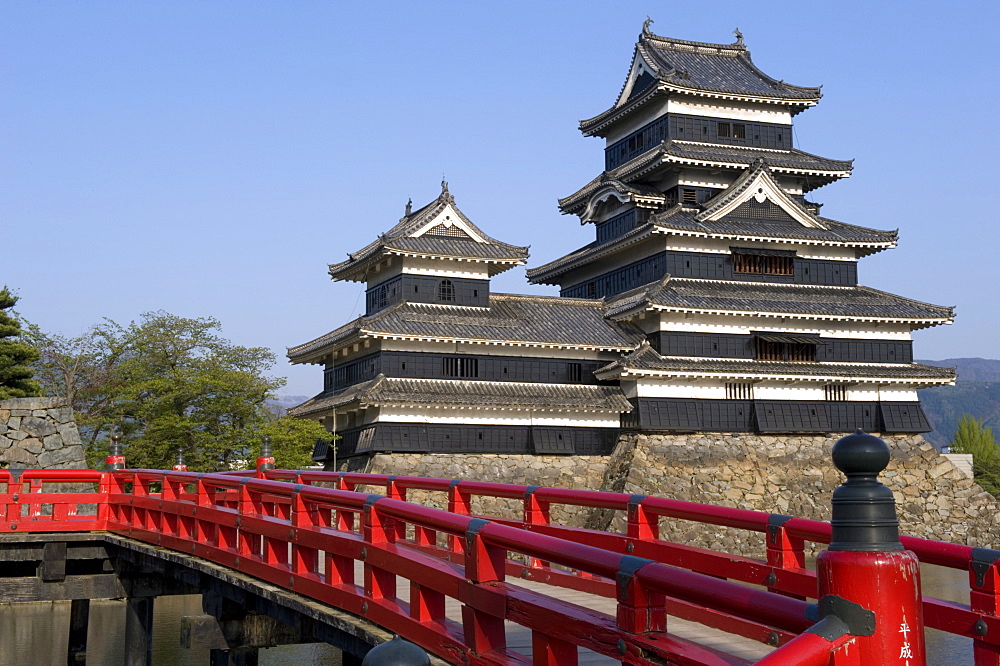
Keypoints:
pixel 472 578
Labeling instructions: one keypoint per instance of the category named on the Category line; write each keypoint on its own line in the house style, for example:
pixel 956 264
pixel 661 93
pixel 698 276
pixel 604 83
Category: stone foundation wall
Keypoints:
pixel 39 433
pixel 583 472
pixel 791 475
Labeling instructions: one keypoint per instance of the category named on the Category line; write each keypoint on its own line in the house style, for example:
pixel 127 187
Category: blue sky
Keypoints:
pixel 211 158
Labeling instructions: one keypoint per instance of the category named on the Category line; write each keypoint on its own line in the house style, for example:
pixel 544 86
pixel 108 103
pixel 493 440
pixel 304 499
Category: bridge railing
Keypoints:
pixel 289 530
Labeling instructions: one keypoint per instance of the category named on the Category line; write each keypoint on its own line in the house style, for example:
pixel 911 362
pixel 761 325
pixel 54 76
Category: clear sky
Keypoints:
pixel 211 158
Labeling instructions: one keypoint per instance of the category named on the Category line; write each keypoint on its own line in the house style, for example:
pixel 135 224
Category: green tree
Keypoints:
pixel 293 440
pixel 16 355
pixel 166 384
pixel 975 438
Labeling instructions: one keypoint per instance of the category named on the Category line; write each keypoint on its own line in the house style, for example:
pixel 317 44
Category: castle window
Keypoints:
pixel 446 290
pixel 724 130
pixel 835 392
pixel 742 391
pixel 689 196
pixel 739 131
pixel 786 347
pixel 763 264
pixel 574 373
pixel 459 366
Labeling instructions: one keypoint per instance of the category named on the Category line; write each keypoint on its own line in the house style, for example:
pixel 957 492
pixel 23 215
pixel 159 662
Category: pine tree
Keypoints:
pixel 975 438
pixel 16 356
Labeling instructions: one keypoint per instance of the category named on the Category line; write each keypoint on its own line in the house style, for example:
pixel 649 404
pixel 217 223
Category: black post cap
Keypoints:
pixel 396 652
pixel 864 510
pixel 116 444
pixel 265 446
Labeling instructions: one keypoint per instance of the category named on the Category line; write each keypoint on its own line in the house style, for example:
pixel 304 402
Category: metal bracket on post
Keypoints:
pixel 982 560
pixel 475 525
pixel 633 504
pixel 627 568
pixel 774 523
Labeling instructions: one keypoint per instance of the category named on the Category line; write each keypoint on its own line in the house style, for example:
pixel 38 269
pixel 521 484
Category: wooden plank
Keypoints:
pixel 32 588
pixel 53 564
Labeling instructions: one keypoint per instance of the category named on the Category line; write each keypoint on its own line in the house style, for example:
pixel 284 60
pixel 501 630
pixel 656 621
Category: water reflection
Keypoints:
pixel 37 634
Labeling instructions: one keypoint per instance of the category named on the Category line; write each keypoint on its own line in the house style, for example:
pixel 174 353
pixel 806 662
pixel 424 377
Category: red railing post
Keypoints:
pixel 984 597
pixel 866 565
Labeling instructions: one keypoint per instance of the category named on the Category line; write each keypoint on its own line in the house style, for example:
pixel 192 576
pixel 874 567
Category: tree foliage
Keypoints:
pixel 166 384
pixel 292 441
pixel 975 438
pixel 16 355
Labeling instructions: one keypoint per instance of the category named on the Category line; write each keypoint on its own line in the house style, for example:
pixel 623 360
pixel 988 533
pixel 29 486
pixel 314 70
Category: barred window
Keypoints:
pixel 739 131
pixel 739 391
pixel 724 130
pixel 459 366
pixel 574 373
pixel 835 392
pixel 446 290
pixel 760 264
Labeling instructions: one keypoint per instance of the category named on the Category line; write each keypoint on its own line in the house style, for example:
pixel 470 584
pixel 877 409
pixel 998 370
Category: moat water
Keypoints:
pixel 36 634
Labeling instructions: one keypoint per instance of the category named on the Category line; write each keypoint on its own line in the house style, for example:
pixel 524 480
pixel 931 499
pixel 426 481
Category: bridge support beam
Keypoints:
pixel 139 631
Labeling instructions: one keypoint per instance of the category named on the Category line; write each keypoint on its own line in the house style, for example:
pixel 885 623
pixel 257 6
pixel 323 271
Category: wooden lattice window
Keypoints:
pixel 835 392
pixel 793 352
pixel 739 131
pixel 689 196
pixel 574 373
pixel 743 391
pixel 770 351
pixel 446 290
pixel 458 366
pixel 763 264
pixel 724 130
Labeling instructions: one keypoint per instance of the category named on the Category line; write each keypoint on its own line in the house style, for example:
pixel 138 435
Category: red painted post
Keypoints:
pixel 867 565
pixel 984 597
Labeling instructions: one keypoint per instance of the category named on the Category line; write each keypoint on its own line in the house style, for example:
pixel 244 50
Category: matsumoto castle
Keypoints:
pixel 715 296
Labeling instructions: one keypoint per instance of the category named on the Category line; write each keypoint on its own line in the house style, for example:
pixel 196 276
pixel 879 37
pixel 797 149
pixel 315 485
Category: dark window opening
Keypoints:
pixel 591 290
pixel 724 130
pixel 574 373
pixel 689 196
pixel 446 290
pixel 760 264
pixel 793 352
pixel 458 366
pixel 739 131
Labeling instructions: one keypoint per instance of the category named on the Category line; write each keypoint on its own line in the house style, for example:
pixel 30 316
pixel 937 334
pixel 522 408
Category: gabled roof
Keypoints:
pixel 403 392
pixel 584 201
pixel 661 65
pixel 757 184
pixel 793 301
pixel 646 362
pixel 439 230
pixel 528 321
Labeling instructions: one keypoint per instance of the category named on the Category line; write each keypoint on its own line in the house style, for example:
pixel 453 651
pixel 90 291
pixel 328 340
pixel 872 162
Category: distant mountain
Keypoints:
pixel 977 392
pixel 283 403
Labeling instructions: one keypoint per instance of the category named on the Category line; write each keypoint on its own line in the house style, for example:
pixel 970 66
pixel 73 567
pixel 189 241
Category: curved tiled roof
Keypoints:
pixel 704 69
pixel 764 299
pixel 395 391
pixel 399 240
pixel 646 359
pixel 510 319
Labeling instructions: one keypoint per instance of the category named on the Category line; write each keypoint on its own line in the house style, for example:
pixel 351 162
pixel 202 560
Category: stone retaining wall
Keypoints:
pixel 791 475
pixel 39 433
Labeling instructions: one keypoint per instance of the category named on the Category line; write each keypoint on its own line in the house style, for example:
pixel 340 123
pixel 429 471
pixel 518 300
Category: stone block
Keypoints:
pixel 32 444
pixel 69 454
pixel 61 415
pixel 5 442
pixel 17 457
pixel 53 442
pixel 20 412
pixel 70 434
pixel 37 427
pixel 14 422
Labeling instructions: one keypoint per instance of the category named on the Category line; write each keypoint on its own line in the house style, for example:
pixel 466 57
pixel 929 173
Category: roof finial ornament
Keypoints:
pixel 739 36
pixel 444 185
pixel 409 206
pixel 646 24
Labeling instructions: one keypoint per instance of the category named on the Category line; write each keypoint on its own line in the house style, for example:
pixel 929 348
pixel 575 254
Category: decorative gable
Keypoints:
pixel 449 222
pixel 756 194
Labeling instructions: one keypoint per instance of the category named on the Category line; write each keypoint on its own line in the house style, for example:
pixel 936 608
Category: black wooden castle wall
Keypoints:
pixel 708 266
pixel 422 365
pixel 774 416
pixel 428 289
pixel 731 345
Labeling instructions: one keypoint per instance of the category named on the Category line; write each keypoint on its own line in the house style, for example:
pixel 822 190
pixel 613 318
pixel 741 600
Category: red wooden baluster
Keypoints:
pixel 984 597
pixel 483 622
